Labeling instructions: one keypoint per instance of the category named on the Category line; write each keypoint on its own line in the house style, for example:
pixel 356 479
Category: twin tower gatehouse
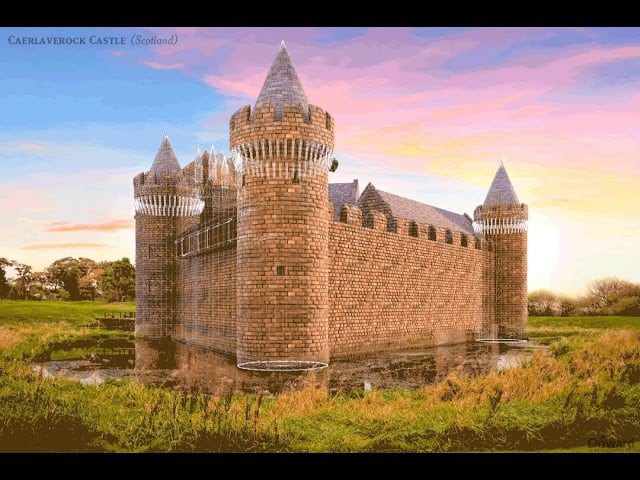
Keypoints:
pixel 257 255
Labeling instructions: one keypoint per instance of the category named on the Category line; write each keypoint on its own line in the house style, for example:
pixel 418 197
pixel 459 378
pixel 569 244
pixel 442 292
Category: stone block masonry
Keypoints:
pixel 255 256
pixel 391 290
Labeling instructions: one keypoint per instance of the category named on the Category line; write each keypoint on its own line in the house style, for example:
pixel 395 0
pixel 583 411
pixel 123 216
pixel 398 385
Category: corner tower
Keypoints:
pixel 162 195
pixel 502 220
pixel 282 149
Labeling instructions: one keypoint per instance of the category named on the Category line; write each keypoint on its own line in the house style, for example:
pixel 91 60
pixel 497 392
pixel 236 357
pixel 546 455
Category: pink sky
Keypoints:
pixel 431 115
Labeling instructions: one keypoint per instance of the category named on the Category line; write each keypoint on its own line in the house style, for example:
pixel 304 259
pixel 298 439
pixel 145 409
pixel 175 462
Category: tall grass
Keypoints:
pixel 591 389
pixel 587 387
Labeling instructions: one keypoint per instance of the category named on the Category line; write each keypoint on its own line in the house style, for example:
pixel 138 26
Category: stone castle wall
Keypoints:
pixel 391 290
pixel 386 290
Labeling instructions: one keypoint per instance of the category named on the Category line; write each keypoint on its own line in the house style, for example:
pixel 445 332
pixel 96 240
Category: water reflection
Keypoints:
pixel 182 367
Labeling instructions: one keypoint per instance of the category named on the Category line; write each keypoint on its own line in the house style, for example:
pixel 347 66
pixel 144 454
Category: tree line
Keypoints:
pixel 69 279
pixel 605 296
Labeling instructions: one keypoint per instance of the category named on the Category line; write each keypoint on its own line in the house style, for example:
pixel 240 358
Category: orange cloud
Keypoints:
pixel 109 226
pixel 59 246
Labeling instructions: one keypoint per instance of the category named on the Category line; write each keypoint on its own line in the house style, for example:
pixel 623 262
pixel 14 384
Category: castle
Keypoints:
pixel 257 255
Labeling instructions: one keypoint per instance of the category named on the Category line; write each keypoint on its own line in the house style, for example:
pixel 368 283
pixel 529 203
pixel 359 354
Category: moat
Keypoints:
pixel 181 367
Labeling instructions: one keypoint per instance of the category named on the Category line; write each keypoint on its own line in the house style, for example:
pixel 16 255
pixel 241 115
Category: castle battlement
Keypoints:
pixel 375 220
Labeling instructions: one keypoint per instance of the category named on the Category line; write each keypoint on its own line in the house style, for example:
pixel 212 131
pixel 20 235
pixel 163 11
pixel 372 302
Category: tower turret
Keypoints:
pixel 282 149
pixel 161 195
pixel 502 220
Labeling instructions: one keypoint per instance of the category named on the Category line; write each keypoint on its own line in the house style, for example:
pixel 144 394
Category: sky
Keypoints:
pixel 424 113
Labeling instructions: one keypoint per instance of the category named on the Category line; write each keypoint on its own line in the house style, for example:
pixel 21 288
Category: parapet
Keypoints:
pixel 376 220
pixel 292 115
pixel 350 214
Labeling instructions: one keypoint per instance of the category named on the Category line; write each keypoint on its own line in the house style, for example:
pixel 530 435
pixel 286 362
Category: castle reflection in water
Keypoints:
pixel 180 366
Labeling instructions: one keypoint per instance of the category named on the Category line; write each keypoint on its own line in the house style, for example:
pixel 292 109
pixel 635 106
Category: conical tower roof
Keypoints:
pixel 501 191
pixel 166 161
pixel 282 85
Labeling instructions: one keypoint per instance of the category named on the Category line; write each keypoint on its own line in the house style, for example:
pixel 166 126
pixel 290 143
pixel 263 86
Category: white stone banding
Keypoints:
pixel 494 226
pixel 168 205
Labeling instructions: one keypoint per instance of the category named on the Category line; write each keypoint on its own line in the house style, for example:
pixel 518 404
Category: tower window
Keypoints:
pixel 243 179
pixel 463 241
pixel 477 244
pixel 448 237
pixel 432 233
pixel 296 176
pixel 280 270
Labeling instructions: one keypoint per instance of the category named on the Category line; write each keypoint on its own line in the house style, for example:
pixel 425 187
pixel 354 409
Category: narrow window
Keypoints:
pixel 432 233
pixel 477 244
pixel 463 241
pixel 448 237
pixel 296 176
pixel 243 179
pixel 280 270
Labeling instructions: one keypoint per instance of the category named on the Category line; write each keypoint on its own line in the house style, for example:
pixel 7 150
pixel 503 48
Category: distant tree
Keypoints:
pixel 66 273
pixel 5 286
pixel 565 305
pixel 625 306
pixel 118 281
pixel 541 302
pixel 40 286
pixel 23 281
pixel 607 291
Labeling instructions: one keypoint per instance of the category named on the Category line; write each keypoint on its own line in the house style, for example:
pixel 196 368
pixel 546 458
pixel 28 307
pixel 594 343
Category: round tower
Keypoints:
pixel 502 220
pixel 282 149
pixel 162 195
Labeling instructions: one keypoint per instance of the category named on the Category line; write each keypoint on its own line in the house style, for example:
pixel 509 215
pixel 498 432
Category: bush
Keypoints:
pixel 629 306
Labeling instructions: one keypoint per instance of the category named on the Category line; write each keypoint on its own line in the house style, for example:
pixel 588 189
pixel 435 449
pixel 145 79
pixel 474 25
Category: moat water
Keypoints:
pixel 186 368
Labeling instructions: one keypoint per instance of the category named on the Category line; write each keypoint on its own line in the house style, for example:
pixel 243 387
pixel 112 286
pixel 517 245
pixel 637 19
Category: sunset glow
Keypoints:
pixel 424 113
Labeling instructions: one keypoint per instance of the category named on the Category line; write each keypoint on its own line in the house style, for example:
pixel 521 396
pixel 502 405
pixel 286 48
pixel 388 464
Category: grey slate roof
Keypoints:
pixel 406 208
pixel 166 161
pixel 282 85
pixel 341 193
pixel 501 191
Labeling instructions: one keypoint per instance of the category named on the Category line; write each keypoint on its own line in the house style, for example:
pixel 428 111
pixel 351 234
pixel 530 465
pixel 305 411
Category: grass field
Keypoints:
pixel 586 391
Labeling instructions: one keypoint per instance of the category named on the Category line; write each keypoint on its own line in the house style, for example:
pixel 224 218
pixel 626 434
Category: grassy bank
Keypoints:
pixel 587 390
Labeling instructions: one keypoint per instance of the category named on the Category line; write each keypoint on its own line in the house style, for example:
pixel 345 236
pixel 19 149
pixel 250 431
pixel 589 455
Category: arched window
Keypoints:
pixel 463 241
pixel 432 233
pixel 478 244
pixel 413 229
pixel 448 237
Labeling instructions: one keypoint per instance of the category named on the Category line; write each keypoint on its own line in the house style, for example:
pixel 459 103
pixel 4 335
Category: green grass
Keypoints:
pixel 588 387
pixel 600 323
pixel 20 312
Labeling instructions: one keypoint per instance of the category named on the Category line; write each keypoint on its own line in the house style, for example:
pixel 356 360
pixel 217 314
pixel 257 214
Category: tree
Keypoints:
pixel 5 287
pixel 40 285
pixel 23 280
pixel 118 281
pixel 67 272
pixel 541 302
pixel 609 290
